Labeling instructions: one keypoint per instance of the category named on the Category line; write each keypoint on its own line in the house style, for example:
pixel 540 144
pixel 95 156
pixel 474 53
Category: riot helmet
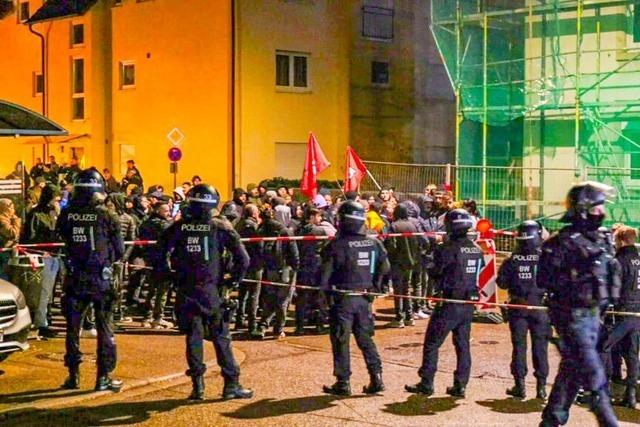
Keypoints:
pixel 585 204
pixel 529 235
pixel 202 199
pixel 88 187
pixel 351 217
pixel 458 222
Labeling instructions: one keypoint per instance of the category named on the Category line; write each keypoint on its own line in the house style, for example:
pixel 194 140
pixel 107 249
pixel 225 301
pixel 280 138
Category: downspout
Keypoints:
pixel 233 95
pixel 45 78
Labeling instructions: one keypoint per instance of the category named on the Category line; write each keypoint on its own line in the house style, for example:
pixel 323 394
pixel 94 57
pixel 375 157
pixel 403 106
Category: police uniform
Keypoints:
pixel 456 268
pixel 518 275
pixel 353 263
pixel 196 244
pixel 92 243
pixel 627 328
pixel 575 270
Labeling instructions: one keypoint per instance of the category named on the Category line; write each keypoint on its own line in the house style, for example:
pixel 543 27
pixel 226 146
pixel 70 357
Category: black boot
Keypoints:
pixel 73 380
pixel 233 390
pixel 198 388
pixel 421 388
pixel 105 382
pixel 340 388
pixel 458 390
pixel 541 389
pixel 518 390
pixel 299 328
pixel 375 384
pixel 629 400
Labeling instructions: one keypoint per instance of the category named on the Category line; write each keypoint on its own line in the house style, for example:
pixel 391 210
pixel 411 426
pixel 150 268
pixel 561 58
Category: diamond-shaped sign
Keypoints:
pixel 175 136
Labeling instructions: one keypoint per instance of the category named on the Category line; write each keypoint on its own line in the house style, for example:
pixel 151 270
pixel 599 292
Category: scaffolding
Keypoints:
pixel 544 85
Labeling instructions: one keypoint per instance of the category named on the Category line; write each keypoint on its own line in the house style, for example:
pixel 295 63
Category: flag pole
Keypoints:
pixel 374 180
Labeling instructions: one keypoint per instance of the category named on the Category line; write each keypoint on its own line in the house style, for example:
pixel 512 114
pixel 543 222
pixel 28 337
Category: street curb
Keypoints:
pixel 62 401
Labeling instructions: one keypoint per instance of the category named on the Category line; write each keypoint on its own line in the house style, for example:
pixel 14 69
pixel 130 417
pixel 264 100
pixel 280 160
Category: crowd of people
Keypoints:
pixel 577 273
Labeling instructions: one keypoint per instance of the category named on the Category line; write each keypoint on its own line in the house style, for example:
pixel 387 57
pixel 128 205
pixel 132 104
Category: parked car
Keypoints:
pixel 15 320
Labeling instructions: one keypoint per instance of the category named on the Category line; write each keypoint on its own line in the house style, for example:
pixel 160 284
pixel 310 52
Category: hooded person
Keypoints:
pixel 10 225
pixel 253 195
pixel 282 214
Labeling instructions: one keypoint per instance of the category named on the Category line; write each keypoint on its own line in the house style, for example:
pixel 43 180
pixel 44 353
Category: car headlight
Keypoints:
pixel 21 301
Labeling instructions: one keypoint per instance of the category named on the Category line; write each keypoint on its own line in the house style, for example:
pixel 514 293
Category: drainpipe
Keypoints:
pixel 45 77
pixel 233 95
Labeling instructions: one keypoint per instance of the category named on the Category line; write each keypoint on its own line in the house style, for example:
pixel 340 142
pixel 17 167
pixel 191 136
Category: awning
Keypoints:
pixel 19 121
pixel 57 9
pixel 55 139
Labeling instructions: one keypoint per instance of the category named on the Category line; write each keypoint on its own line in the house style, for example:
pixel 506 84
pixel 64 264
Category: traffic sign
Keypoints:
pixel 175 154
pixel 175 136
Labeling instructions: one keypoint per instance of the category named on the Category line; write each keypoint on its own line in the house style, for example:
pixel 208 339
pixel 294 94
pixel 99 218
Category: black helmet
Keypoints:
pixel 351 217
pixel 581 201
pixel 88 186
pixel 202 199
pixel 458 221
pixel 529 235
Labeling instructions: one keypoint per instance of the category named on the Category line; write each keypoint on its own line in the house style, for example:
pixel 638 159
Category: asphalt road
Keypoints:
pixel 287 377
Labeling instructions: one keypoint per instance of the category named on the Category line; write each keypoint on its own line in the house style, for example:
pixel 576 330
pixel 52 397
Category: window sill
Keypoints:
pixel 128 87
pixel 77 46
pixel 377 39
pixel 288 89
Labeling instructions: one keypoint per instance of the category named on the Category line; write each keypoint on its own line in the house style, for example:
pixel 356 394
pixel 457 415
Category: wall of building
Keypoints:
pixel 270 119
pixel 182 56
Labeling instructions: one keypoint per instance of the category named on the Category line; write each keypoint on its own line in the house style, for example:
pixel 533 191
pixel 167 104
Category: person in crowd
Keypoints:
pixel 419 276
pixel 34 192
pixel 52 171
pixel 456 268
pixel 196 180
pixel 352 266
pixel 471 206
pixel 253 195
pixel 517 274
pixel 10 227
pixel 71 171
pixel 430 190
pixel 40 227
pixel 281 261
pixel 131 183
pixel 186 187
pixel 249 293
pixel 110 182
pixel 281 191
pixel 262 189
pixel 310 301
pixel 375 221
pixel 115 202
pixel 160 281
pixel 404 254
pixel 626 329
pixel 20 173
pixel 140 213
pixel 131 166
pixel 38 169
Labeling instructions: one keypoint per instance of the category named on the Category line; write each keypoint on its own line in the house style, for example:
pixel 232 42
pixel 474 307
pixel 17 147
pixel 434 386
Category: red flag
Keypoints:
pixel 314 163
pixel 356 171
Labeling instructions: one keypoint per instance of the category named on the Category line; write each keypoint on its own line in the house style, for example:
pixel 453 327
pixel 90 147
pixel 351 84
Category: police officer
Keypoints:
pixel 576 271
pixel 456 267
pixel 196 244
pixel 627 328
pixel 518 275
pixel 93 242
pixel 352 265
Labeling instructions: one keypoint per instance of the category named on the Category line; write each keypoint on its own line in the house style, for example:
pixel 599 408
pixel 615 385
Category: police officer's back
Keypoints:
pixel 352 265
pixel 93 242
pixel 456 268
pixel 517 274
pixel 576 271
pixel 196 244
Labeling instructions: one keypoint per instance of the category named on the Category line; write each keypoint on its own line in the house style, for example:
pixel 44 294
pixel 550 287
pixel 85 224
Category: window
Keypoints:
pixel 24 14
pixel 380 73
pixel 77 35
pixel 377 23
pixel 292 70
pixel 636 23
pixel 127 75
pixel 117 2
pixel 77 89
pixel 38 84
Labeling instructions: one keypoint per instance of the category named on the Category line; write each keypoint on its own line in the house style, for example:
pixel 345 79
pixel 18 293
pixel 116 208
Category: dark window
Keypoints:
pixel 77 34
pixel 24 11
pixel 377 23
pixel 380 72
pixel 282 70
pixel 636 22
pixel 78 108
pixel 38 84
pixel 78 76
pixel 127 74
pixel 300 71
